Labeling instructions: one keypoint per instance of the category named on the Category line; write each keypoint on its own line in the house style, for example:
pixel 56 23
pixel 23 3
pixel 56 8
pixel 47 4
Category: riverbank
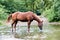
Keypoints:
pixel 2 22
pixel 54 23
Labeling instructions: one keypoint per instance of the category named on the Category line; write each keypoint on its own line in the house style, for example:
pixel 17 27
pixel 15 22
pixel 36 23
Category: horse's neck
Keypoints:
pixel 37 18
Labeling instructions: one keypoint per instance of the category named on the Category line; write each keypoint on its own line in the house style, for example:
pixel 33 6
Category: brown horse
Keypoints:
pixel 24 17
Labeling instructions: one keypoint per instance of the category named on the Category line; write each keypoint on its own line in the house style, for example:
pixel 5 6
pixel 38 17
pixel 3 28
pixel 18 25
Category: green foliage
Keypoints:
pixel 21 5
pixel 50 8
pixel 3 13
pixel 57 10
pixel 50 14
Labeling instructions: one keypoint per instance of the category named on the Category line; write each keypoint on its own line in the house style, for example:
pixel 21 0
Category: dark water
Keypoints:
pixel 50 32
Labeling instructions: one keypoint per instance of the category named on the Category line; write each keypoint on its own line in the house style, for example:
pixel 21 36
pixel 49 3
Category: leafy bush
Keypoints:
pixel 53 13
pixel 50 8
pixel 3 14
pixel 49 14
pixel 57 10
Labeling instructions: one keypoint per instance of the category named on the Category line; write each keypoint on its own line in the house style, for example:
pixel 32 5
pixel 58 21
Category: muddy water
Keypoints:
pixel 50 32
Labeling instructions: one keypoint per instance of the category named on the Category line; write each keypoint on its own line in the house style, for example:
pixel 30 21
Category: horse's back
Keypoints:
pixel 23 16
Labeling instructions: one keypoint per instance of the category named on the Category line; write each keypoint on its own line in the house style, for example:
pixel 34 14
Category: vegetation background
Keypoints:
pixel 48 8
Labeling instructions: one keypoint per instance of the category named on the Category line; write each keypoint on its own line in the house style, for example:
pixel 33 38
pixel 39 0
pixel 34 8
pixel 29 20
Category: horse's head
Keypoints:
pixel 40 24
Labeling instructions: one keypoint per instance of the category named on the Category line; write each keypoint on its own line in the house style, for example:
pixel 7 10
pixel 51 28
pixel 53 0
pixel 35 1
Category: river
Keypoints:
pixel 50 32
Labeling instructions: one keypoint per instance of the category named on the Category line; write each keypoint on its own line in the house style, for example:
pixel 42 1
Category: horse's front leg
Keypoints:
pixel 29 22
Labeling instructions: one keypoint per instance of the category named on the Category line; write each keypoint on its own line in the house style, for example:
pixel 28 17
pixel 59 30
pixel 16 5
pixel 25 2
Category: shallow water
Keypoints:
pixel 50 32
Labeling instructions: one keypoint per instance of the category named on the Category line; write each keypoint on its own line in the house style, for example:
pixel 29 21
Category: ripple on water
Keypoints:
pixel 9 37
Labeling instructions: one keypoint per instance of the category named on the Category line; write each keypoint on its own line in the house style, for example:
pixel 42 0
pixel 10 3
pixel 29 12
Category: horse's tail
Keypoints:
pixel 9 17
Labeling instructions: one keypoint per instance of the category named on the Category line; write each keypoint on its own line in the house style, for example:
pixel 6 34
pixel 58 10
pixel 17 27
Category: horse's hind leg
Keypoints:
pixel 15 25
pixel 12 25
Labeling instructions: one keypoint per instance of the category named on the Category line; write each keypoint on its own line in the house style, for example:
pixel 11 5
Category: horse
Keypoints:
pixel 24 17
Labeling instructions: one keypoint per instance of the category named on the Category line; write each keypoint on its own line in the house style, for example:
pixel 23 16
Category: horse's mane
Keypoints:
pixel 37 18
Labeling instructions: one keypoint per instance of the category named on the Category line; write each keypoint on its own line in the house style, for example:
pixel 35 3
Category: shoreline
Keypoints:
pixel 54 23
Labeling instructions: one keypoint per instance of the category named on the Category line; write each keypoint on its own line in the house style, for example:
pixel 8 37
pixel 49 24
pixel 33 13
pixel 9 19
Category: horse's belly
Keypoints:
pixel 23 20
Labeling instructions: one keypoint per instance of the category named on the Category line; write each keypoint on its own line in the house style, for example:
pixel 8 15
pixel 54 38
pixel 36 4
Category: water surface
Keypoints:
pixel 50 32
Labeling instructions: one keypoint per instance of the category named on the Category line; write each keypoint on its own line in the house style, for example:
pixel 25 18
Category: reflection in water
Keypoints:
pixel 31 36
